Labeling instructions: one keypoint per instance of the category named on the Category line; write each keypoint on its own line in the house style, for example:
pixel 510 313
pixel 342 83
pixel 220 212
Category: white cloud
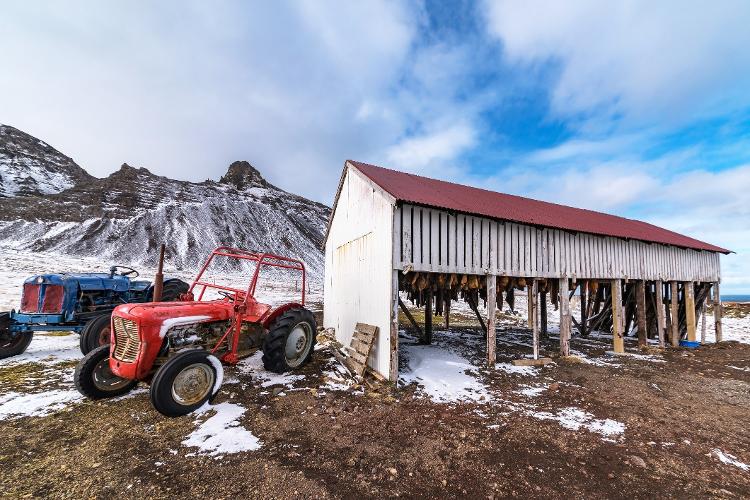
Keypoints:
pixel 184 88
pixel 636 60
pixel 415 154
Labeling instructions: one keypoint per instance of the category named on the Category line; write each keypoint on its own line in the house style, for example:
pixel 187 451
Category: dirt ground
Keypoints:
pixel 677 409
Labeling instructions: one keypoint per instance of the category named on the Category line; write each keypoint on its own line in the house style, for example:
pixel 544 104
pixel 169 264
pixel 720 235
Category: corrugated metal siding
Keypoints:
pixel 428 239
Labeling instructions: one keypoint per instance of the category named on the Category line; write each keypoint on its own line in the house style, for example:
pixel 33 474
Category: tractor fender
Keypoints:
pixel 279 311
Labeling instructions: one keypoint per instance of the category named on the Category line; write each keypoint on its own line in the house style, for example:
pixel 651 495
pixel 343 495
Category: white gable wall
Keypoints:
pixel 358 265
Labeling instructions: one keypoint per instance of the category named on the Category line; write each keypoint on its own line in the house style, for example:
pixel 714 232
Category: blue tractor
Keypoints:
pixel 80 303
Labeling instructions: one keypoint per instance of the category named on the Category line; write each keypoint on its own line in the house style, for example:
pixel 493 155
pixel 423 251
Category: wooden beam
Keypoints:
pixel 564 318
pixel 618 341
pixel 411 319
pixel 640 309
pixel 491 308
pixel 674 313
pixel 661 323
pixel 393 371
pixel 533 307
pixel 717 312
pixel 690 310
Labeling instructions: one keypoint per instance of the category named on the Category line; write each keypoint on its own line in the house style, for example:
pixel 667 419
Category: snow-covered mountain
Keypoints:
pixel 31 167
pixel 124 217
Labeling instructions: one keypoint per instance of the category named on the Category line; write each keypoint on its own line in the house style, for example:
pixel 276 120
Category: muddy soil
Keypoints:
pixel 380 442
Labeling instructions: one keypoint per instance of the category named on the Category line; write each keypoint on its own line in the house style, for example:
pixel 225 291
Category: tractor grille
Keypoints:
pixel 30 299
pixel 127 342
pixel 52 298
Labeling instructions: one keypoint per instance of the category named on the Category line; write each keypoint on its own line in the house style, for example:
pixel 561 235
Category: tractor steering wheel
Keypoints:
pixel 226 294
pixel 129 271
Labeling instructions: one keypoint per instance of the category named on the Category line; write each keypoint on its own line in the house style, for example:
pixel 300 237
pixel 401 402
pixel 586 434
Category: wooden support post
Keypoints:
pixel 428 319
pixel 529 300
pixel 533 314
pixel 491 307
pixel 584 308
pixel 703 322
pixel 393 372
pixel 447 309
pixel 618 342
pixel 690 310
pixel 640 310
pixel 543 314
pixel 717 312
pixel 661 323
pixel 565 325
pixel 674 314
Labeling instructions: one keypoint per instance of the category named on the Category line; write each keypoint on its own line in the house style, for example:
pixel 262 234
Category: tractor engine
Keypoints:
pixel 196 335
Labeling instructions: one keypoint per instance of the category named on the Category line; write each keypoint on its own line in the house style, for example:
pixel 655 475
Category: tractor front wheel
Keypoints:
pixel 186 382
pixel 290 341
pixel 96 333
pixel 94 379
pixel 12 343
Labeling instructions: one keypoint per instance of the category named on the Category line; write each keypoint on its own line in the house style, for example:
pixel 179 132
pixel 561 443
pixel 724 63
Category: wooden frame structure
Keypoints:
pixel 378 245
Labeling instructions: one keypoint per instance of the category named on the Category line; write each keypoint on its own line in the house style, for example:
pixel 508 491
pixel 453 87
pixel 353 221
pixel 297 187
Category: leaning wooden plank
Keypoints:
pixel 362 337
pixel 355 355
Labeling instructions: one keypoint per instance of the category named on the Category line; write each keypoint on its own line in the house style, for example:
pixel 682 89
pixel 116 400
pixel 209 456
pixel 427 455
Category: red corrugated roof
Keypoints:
pixel 440 194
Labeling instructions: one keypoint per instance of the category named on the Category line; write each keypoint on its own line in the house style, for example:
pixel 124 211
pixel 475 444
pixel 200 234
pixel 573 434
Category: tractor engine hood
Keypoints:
pixel 156 318
pixel 87 281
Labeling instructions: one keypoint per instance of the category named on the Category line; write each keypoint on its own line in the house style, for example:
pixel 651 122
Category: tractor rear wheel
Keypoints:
pixel 186 382
pixel 96 333
pixel 12 343
pixel 94 379
pixel 172 289
pixel 290 341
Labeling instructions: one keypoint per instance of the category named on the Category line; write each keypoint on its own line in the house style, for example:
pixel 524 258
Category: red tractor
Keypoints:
pixel 178 346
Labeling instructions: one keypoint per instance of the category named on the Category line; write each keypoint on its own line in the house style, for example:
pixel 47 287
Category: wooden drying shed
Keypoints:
pixel 437 241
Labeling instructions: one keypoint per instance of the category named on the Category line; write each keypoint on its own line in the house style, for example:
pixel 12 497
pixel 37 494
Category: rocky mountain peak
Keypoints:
pixel 242 175
pixel 30 167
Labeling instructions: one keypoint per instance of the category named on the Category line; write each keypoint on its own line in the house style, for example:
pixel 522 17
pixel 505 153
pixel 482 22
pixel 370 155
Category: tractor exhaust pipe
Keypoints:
pixel 159 278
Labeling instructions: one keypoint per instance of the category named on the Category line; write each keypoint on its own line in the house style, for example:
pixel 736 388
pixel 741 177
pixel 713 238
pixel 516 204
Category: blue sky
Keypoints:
pixel 636 108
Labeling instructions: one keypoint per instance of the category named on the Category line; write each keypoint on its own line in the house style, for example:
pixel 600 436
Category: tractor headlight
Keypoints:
pixel 40 280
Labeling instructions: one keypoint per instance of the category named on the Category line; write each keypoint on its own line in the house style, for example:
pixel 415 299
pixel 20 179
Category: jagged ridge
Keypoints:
pixel 125 216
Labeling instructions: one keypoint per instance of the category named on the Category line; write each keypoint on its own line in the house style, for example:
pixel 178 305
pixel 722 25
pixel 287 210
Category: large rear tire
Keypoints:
pixel 96 333
pixel 290 341
pixel 94 379
pixel 12 344
pixel 186 382
pixel 172 290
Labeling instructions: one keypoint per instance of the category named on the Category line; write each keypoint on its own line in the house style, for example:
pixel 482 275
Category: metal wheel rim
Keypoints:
pixel 193 384
pixel 104 335
pixel 298 344
pixel 105 380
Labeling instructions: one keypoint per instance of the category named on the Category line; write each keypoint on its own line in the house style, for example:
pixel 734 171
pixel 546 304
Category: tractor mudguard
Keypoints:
pixel 279 311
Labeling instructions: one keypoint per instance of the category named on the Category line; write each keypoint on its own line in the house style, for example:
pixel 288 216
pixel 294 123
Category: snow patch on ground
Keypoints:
pixel 442 374
pixel 221 433
pixel 726 458
pixel 528 371
pixel 16 405
pixel 253 366
pixel 574 419
pixel 48 350
pixel 533 391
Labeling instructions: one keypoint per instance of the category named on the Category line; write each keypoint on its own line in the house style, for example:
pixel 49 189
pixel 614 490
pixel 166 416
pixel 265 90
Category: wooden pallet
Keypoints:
pixel 354 356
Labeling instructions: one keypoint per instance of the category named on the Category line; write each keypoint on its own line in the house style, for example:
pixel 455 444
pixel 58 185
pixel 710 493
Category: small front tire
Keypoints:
pixel 12 344
pixel 96 333
pixel 185 382
pixel 94 379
